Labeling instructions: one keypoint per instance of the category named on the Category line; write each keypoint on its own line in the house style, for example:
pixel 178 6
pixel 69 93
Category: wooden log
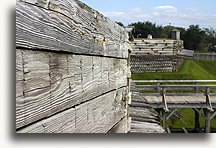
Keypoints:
pixel 37 87
pixel 145 127
pixel 164 119
pixel 19 89
pixel 207 121
pixel 120 127
pixel 185 130
pixel 213 115
pixel 53 82
pixel 68 26
pixel 99 115
pixel 197 122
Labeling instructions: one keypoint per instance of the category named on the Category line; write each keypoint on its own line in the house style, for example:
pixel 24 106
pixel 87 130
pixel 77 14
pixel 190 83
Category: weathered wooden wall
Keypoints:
pixel 156 47
pixel 71 69
pixel 155 63
pixel 159 55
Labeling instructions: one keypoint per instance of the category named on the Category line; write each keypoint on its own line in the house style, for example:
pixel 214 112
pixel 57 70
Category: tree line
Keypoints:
pixel 194 37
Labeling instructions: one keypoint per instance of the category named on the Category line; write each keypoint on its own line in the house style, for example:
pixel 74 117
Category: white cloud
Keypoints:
pixel 163 15
pixel 137 9
pixel 128 17
pixel 192 9
pixel 166 9
pixel 156 13
pixel 143 16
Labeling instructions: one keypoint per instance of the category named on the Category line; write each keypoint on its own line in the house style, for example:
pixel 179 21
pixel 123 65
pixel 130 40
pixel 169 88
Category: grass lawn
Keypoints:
pixel 190 70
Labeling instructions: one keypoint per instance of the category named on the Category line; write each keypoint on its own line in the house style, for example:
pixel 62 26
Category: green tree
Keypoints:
pixel 194 38
pixel 143 29
pixel 210 39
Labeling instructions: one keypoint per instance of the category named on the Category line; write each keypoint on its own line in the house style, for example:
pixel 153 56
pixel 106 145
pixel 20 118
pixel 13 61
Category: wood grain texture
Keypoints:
pixel 120 127
pixel 70 26
pixel 95 116
pixel 157 47
pixel 154 63
pixel 19 89
pixel 53 82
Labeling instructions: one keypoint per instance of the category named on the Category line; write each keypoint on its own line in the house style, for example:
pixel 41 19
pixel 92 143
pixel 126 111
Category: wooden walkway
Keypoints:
pixel 144 119
pixel 167 97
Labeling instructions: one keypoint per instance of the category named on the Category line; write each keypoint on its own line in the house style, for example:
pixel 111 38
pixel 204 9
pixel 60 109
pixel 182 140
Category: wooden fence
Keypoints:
pixel 71 69
pixel 160 87
pixel 168 96
pixel 204 56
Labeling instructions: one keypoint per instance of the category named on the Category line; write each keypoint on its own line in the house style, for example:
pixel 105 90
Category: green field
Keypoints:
pixel 189 70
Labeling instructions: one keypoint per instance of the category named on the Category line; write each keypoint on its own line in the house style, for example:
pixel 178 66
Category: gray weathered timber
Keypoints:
pixel 68 26
pixel 156 47
pixel 155 55
pixel 144 119
pixel 204 56
pixel 120 127
pixel 96 116
pixel 54 82
pixel 203 97
pixel 19 89
pixel 154 63
pixel 71 69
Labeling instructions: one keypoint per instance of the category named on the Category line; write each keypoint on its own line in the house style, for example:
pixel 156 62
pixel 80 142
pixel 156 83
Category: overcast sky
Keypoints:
pixel 180 13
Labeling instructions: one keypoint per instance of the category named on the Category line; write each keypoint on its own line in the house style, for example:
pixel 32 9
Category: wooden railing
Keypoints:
pixel 176 87
pixel 204 56
pixel 187 88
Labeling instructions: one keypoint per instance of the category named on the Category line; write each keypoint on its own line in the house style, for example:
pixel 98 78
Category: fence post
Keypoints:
pixel 197 88
pixel 197 123
pixel 164 118
pixel 207 121
pixel 158 88
pixel 207 111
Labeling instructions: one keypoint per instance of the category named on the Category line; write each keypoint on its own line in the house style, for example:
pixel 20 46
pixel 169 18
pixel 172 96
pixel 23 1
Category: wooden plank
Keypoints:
pixel 172 112
pixel 53 82
pixel 37 86
pixel 118 73
pixel 197 121
pixel 60 86
pixel 96 116
pixel 120 127
pixel 61 123
pixel 185 130
pixel 213 115
pixel 145 127
pixel 19 89
pixel 164 119
pixel 207 121
pixel 101 114
pixel 68 26
pixel 168 130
